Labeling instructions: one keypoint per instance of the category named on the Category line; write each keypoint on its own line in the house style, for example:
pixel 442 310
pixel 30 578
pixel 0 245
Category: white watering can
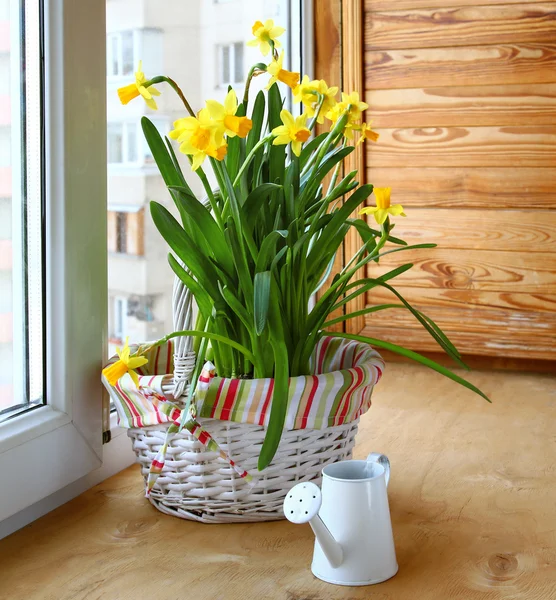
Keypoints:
pixel 351 520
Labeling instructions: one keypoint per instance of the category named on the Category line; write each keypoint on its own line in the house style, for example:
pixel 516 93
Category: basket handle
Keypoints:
pixel 184 357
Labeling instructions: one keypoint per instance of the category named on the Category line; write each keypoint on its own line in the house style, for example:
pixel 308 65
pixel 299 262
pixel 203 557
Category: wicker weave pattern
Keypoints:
pixel 199 485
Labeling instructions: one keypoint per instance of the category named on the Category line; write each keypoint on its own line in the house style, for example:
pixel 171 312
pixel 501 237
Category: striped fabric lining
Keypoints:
pixel 339 392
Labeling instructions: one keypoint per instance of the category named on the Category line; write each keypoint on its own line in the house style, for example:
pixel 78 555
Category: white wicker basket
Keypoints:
pixel 199 485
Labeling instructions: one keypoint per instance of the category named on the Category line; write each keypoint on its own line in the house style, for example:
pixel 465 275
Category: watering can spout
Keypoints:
pixel 302 505
pixel 331 548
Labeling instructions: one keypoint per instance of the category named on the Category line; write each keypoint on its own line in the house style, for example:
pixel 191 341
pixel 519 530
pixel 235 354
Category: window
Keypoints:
pixel 230 64
pixel 53 198
pixel 121 232
pixel 122 140
pixel 126 229
pixel 21 228
pixel 121 59
pixel 119 320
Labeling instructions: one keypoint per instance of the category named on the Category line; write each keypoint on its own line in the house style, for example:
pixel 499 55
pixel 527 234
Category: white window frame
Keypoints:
pixel 222 83
pixel 52 446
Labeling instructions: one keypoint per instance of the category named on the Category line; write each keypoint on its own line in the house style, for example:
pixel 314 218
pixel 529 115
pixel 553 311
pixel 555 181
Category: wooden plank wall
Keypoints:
pixel 463 94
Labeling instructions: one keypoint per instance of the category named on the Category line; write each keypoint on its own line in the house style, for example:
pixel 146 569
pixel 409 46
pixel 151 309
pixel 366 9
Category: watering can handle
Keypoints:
pixel 381 459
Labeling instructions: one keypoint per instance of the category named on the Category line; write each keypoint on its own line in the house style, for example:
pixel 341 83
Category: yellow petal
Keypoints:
pixel 230 103
pixel 281 140
pixel 368 210
pixel 296 147
pixel 396 210
pixel 137 361
pixel 287 118
pixel 380 215
pixel 198 159
pixel 135 378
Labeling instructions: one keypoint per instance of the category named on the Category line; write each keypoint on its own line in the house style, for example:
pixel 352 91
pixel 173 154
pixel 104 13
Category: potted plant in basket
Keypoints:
pixel 253 254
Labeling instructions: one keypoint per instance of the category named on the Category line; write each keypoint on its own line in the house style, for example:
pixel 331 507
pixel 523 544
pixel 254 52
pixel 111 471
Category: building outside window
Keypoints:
pixel 121 59
pixel 230 64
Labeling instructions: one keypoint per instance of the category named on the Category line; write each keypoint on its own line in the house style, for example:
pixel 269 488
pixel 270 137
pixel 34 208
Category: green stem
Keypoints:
pixel 250 157
pixel 258 67
pixel 212 199
pixel 175 87
pixel 204 334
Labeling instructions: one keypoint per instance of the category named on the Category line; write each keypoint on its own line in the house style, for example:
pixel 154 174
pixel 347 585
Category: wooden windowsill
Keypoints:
pixel 472 498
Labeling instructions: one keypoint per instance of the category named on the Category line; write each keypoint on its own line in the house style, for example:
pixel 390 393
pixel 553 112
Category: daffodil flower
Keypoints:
pixel 383 207
pixel 133 90
pixel 308 93
pixel 279 74
pixel 124 364
pixel 356 108
pixel 366 133
pixel 225 120
pixel 293 130
pixel 196 136
pixel 266 35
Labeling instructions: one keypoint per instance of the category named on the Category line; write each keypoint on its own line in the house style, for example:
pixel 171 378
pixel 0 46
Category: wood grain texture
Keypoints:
pixel 533 146
pixel 460 26
pixel 471 497
pixel 468 298
pixel 468 187
pixel 478 331
pixel 509 230
pixel 328 61
pixel 474 270
pixel 388 5
pixel 469 106
pixel 502 64
pixel 352 79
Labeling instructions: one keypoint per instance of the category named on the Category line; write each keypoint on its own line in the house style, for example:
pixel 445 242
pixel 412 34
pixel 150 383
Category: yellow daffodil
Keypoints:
pixel 124 364
pixel 133 90
pixel 225 120
pixel 293 130
pixel 308 93
pixel 366 133
pixel 383 207
pixel 356 108
pixel 196 136
pixel 279 74
pixel 266 34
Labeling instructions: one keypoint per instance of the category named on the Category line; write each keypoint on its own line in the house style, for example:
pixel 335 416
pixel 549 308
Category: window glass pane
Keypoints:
pixel 115 143
pixel 113 55
pixel 21 235
pixel 225 78
pixel 131 131
pixel 202 46
pixel 239 69
pixel 127 53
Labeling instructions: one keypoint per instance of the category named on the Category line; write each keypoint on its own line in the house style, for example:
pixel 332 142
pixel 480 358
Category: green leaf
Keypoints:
pixel 160 154
pixel 276 154
pixel 257 117
pixel 268 249
pixel 202 298
pixel 416 357
pixel 261 300
pixel 205 223
pixel 185 248
pixel 255 202
pixel 310 147
pixel 281 382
